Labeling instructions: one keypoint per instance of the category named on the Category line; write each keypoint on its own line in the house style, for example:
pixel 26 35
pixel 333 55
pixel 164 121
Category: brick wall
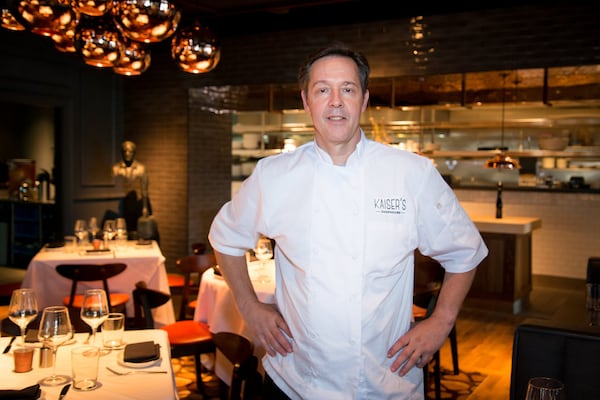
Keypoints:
pixel 184 159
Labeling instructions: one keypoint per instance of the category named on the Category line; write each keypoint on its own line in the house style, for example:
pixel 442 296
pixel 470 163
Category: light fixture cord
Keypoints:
pixel 504 75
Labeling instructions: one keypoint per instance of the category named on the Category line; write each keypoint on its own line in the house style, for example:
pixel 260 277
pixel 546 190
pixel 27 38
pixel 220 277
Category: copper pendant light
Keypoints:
pixel 98 41
pixel 64 40
pixel 501 160
pixel 10 22
pixel 196 49
pixel 94 8
pixel 46 17
pixel 148 21
pixel 134 60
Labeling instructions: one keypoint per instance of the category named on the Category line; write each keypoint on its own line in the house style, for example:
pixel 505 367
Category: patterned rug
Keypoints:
pixel 456 387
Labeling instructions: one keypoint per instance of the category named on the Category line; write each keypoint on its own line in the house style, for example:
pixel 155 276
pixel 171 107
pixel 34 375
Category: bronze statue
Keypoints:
pixel 132 177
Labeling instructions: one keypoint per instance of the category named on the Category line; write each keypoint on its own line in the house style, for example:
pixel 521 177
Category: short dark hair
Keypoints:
pixel 336 49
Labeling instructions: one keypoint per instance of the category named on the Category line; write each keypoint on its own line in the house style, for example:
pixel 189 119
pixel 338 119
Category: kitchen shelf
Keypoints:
pixel 578 152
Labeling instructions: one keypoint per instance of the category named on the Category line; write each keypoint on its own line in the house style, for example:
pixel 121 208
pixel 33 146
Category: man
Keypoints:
pixel 346 214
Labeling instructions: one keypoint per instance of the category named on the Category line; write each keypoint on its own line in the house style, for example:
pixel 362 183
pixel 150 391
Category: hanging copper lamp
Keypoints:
pixel 98 41
pixel 148 21
pixel 46 17
pixel 9 21
pixel 196 49
pixel 64 39
pixel 94 8
pixel 501 160
pixel 134 60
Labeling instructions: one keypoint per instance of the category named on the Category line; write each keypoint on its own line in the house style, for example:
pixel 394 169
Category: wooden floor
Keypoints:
pixel 485 338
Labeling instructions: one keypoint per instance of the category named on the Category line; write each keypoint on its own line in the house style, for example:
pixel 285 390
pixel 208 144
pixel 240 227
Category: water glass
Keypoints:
pixel 112 330
pixel 543 388
pixel 84 363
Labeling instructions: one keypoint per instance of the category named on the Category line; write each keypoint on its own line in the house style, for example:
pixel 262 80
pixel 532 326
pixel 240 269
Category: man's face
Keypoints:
pixel 128 153
pixel 334 100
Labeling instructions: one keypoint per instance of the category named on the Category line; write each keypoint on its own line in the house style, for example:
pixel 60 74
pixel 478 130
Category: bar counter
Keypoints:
pixel 503 279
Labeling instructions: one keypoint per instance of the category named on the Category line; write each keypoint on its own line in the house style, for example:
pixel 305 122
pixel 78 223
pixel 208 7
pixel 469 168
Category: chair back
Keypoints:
pixel 144 300
pixel 544 348
pixel 238 350
pixel 198 248
pixel 192 267
pixel 593 270
pixel 429 275
pixel 89 273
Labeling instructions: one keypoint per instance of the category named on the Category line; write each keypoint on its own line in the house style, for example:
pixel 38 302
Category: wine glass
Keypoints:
pixel 109 230
pixel 263 252
pixel 94 310
pixel 81 231
pixel 93 227
pixel 542 388
pixel 55 329
pixel 23 309
pixel 121 232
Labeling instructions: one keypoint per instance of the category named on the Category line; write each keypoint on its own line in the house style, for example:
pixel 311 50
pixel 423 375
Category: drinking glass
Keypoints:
pixel 94 310
pixel 81 231
pixel 93 227
pixel 542 388
pixel 23 309
pixel 109 230
pixel 121 233
pixel 55 329
pixel 263 252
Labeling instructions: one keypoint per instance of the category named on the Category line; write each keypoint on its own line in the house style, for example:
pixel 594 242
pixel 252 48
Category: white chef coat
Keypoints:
pixel 345 238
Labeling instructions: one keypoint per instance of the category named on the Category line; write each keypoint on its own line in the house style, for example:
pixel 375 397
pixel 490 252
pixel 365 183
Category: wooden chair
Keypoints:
pixel 198 248
pixel 562 350
pixel 90 273
pixel 192 267
pixel 429 275
pixel 177 280
pixel 144 301
pixel 238 350
pixel 186 338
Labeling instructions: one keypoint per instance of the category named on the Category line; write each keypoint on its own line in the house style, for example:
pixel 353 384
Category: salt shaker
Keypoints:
pixel 46 357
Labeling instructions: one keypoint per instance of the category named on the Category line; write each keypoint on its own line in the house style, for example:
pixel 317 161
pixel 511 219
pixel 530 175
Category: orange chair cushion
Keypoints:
pixel 187 332
pixel 176 280
pixel 116 299
pixel 418 312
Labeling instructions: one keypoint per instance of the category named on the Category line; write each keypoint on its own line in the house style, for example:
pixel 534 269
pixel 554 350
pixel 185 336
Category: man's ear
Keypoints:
pixel 304 101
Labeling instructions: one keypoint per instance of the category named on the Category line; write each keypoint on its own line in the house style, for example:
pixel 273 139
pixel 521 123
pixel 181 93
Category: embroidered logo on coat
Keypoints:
pixel 390 205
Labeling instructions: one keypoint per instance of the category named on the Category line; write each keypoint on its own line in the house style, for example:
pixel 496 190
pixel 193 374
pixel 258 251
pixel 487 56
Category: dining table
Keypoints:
pixel 216 307
pixel 145 262
pixel 136 384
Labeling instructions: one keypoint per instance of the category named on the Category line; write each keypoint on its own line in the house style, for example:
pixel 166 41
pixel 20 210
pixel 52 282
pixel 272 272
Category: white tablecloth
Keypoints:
pixel 216 306
pixel 145 263
pixel 111 386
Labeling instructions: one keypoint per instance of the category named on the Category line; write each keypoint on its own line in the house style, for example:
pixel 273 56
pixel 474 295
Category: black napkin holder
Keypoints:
pixel 29 393
pixel 141 352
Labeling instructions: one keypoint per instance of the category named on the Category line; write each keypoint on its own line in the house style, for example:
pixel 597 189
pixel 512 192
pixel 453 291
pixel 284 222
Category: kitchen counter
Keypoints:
pixel 503 279
pixel 510 225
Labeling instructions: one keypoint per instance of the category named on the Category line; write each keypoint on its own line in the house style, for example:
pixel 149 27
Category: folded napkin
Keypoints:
pixel 141 352
pixel 29 393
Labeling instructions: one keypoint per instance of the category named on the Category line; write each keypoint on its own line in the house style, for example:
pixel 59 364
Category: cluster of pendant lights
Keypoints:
pixel 115 33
